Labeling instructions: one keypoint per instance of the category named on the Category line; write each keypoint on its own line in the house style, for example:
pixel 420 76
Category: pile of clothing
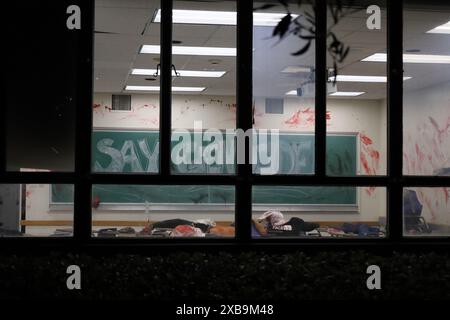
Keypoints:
pixel 354 229
pixel 187 228
pixel 165 228
pixel 178 228
pixel 114 232
pixel 273 223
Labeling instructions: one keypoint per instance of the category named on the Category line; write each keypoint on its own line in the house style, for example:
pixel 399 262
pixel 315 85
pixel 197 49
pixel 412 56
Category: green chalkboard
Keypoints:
pixel 62 193
pixel 164 194
pixel 341 155
pixel 138 151
pixel 140 194
pixel 133 151
pixel 296 154
pixel 304 195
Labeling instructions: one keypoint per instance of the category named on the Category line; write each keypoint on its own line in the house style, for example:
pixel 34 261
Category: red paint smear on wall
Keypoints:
pixel 370 190
pixel 365 139
pixel 420 155
pixel 440 132
pixel 370 157
pixel 97 107
pixel 446 194
pixel 294 119
pixel 306 117
pixel 406 161
pixel 310 121
pixel 152 106
pixel 375 155
pixel 365 164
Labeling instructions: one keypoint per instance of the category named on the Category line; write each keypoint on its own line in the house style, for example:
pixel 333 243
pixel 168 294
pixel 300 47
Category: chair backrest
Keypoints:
pixel 411 204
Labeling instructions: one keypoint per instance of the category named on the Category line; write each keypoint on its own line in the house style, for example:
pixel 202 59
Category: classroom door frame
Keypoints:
pixel 83 179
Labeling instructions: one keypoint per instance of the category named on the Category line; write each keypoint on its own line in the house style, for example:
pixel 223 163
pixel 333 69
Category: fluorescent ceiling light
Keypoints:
pixel 347 93
pixel 296 69
pixel 182 73
pixel 220 17
pixel 443 28
pixel 336 94
pixel 197 51
pixel 156 88
pixel 351 78
pixel 411 58
pixel 269 19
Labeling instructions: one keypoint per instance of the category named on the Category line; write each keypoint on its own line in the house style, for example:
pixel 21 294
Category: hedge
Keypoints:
pixel 223 275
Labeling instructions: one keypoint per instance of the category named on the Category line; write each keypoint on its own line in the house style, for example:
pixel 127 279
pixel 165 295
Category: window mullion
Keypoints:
pixel 321 88
pixel 395 118
pixel 165 112
pixel 3 130
pixel 244 116
pixel 82 196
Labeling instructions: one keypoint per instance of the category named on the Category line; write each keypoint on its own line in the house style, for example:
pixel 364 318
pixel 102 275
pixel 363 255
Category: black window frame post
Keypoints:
pixel 244 117
pixel 82 192
pixel 395 119
pixel 321 75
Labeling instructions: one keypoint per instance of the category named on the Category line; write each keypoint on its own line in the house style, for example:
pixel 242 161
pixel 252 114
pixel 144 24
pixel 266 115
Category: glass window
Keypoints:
pixel 319 212
pixel 163 211
pixel 426 116
pixel 126 88
pixel 203 87
pixel 426 211
pixel 283 89
pixel 38 210
pixel 356 96
pixel 40 86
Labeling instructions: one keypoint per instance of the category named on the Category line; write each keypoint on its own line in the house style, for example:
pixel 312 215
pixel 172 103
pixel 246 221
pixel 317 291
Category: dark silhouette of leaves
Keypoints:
pixel 302 50
pixel 304 27
pixel 282 27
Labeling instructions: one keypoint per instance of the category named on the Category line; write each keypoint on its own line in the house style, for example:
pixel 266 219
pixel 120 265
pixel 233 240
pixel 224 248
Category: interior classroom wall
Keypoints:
pixel 426 122
pixel 366 117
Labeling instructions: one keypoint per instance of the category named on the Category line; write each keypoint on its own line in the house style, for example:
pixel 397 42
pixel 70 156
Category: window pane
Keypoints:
pixel 426 212
pixel 356 97
pixel 426 116
pixel 126 88
pixel 319 212
pixel 203 86
pixel 36 210
pixel 283 91
pixel 40 75
pixel 163 211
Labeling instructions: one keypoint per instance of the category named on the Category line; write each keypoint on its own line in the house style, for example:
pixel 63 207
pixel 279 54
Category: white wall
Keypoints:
pixel 37 207
pixel 426 151
pixel 214 112
pixel 367 117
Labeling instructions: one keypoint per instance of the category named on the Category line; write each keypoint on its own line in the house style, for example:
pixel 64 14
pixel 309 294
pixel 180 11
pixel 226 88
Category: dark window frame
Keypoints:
pixel 243 181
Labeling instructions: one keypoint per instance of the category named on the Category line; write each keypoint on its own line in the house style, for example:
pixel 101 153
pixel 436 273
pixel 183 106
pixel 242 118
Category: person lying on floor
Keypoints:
pixel 275 221
pixel 187 228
